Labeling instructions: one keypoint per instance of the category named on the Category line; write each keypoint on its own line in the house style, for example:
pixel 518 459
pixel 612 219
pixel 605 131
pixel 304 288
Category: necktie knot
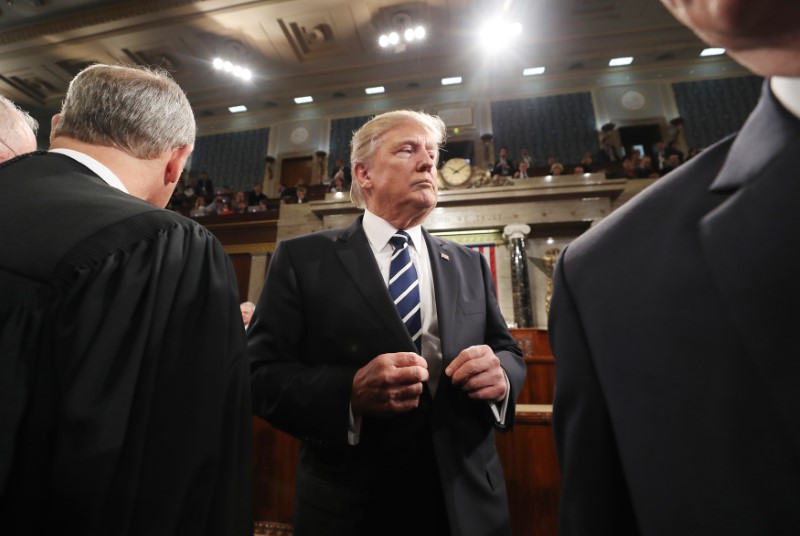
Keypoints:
pixel 399 240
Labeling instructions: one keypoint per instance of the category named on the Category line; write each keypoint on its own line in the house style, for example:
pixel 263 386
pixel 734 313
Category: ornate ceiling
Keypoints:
pixel 328 49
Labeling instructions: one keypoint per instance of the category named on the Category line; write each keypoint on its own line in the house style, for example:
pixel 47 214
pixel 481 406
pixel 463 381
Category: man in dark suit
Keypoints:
pixel 608 152
pixel 673 323
pixel 347 176
pixel 397 422
pixel 123 371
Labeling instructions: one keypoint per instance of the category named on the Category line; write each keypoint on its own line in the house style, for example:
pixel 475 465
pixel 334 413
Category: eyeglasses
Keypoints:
pixel 9 148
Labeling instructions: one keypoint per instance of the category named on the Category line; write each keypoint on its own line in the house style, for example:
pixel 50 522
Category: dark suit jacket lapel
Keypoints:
pixel 445 284
pixel 751 243
pixel 359 262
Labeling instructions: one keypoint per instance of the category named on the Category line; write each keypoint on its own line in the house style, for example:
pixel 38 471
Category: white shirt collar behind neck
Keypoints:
pixel 99 169
pixel 787 91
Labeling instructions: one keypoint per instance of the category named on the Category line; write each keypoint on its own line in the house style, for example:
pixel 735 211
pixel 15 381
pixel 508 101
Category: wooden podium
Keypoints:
pixel 527 454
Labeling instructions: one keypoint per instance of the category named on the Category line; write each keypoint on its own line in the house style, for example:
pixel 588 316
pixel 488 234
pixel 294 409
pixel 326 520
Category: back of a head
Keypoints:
pixel 17 130
pixel 365 139
pixel 140 111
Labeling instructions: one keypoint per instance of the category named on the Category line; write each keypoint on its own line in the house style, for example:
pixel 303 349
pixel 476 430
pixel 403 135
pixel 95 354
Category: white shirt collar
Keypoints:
pixel 379 231
pixel 99 169
pixel 787 91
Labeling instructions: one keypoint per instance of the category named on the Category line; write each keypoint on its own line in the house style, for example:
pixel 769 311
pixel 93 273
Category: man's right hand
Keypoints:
pixel 390 383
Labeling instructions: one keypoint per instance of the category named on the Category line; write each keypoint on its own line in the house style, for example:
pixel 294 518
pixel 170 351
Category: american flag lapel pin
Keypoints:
pixel 445 256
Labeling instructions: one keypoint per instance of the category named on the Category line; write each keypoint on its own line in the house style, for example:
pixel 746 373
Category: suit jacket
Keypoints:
pixel 673 327
pixel 122 364
pixel 324 313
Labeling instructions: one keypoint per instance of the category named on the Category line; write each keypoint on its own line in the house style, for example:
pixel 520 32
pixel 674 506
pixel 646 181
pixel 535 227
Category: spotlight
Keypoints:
pixel 218 63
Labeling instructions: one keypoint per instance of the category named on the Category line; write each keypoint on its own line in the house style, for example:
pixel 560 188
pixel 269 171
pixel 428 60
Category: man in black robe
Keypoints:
pixel 124 389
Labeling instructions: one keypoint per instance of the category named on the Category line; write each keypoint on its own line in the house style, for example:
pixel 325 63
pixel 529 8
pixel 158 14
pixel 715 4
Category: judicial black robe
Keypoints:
pixel 124 388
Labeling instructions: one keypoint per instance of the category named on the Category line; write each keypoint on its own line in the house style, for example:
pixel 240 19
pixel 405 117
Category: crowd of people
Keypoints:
pixel 663 158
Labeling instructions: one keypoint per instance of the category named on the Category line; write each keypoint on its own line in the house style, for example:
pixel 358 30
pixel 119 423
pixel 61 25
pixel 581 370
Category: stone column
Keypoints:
pixel 520 283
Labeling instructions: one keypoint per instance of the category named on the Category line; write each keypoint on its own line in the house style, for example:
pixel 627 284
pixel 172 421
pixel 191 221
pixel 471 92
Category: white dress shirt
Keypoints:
pixel 787 91
pixel 99 169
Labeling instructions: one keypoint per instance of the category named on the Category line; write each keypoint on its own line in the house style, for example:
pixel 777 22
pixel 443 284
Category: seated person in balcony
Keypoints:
pixel 578 170
pixel 200 208
pixel 645 169
pixel 256 195
pixel 587 162
pixel 628 169
pixel 525 157
pixel 503 166
pixel 673 161
pixel 337 184
pixel 523 170
pixel 239 204
pixel 301 197
pixel 557 169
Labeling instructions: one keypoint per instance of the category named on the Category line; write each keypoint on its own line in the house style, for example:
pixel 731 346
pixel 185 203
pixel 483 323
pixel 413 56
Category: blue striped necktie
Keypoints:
pixel 404 287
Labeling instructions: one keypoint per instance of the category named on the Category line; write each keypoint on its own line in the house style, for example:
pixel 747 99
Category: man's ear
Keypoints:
pixel 362 176
pixel 174 168
pixel 53 122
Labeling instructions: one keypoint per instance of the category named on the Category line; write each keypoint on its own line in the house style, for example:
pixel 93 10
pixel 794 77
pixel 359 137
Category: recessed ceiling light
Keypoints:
pixel 616 62
pixel 712 51
pixel 450 81
pixel 303 100
pixel 530 71
pixel 374 90
pixel 237 109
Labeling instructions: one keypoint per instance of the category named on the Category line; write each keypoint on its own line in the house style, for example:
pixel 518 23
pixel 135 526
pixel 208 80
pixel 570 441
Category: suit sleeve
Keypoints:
pixel 594 494
pixel 310 400
pixel 504 347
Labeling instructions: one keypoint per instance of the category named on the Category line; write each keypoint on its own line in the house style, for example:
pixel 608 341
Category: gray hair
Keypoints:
pixel 366 140
pixel 138 110
pixel 12 119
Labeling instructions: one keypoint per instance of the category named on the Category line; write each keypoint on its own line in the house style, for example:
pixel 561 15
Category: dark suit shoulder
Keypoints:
pixel 672 203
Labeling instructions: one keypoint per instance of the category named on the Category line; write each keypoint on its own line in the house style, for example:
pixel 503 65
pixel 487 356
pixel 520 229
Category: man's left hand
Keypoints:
pixel 478 372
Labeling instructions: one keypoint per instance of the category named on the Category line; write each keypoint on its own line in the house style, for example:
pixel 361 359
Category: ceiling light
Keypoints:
pixel 374 90
pixel 712 51
pixel 231 68
pixel 530 71
pixel 496 34
pixel 550 240
pixel 409 35
pixel 237 109
pixel 451 81
pixel 303 100
pixel 616 62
